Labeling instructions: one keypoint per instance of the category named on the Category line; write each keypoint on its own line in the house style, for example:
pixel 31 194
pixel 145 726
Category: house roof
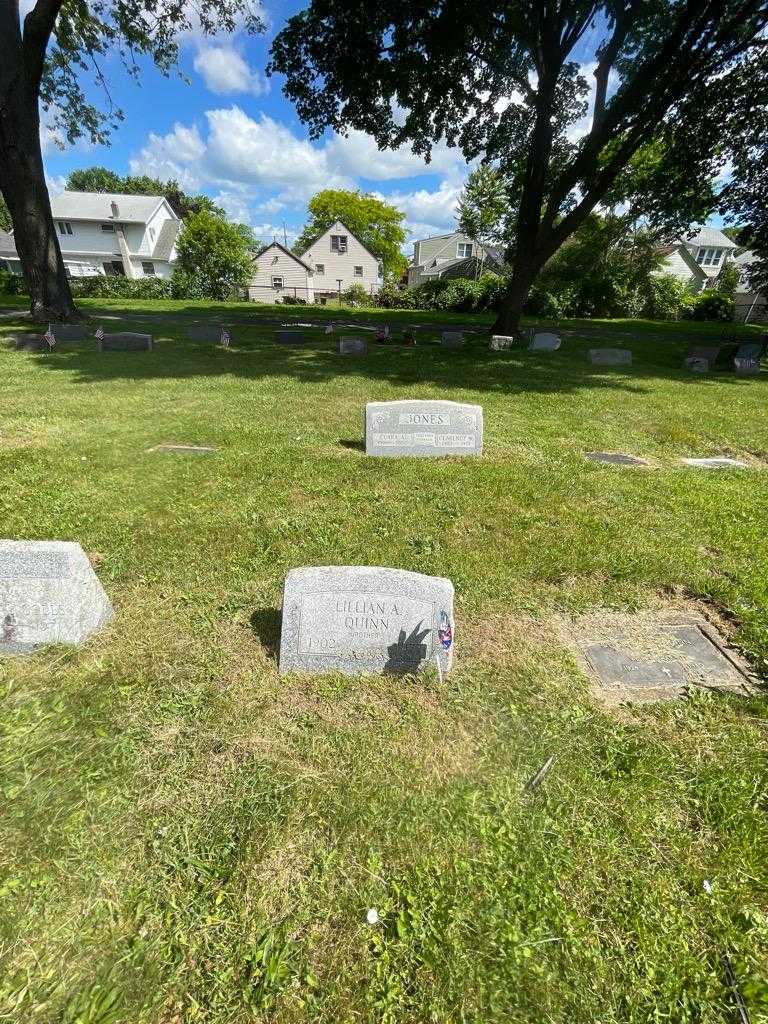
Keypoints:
pixel 712 237
pixel 166 239
pixel 340 224
pixel 282 248
pixel 687 255
pixel 98 206
pixel 744 259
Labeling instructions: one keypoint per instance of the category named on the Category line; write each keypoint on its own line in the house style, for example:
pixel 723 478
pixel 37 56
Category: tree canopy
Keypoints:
pixel 212 256
pixel 377 224
pixel 507 81
pixel 483 206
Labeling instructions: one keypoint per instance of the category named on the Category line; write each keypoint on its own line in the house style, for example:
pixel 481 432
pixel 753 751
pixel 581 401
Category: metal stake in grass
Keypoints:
pixel 733 985
pixel 540 775
pixel 439 669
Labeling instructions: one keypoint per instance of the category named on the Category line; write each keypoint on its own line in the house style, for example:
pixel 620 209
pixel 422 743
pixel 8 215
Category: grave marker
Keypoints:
pixel 353 346
pixel 452 339
pixel 701 358
pixel 208 333
pixel 48 594
pixel 429 428
pixel 545 342
pixel 69 332
pixel 615 458
pixel 124 341
pixel 502 342
pixel 610 357
pixel 715 463
pixel 356 619
pixel 30 343
pixel 747 358
pixel 290 337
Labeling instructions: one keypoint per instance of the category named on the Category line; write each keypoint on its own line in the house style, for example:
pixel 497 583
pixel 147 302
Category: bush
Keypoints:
pixel 213 258
pixel 460 294
pixel 293 300
pixel 710 305
pixel 664 297
pixel 11 284
pixel 356 295
pixel 107 286
pixel 393 295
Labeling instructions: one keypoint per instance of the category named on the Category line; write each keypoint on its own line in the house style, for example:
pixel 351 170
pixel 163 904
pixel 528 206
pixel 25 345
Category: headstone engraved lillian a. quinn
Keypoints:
pixel 48 594
pixel 429 428
pixel 358 619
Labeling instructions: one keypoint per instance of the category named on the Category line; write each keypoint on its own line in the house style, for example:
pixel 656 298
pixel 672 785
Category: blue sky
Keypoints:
pixel 230 133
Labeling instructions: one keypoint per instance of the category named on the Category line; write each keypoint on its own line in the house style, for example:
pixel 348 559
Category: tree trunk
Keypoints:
pixel 510 313
pixel 22 183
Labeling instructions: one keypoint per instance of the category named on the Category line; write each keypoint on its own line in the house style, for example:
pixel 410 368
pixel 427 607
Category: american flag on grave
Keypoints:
pixel 99 334
pixel 225 337
pixel 49 338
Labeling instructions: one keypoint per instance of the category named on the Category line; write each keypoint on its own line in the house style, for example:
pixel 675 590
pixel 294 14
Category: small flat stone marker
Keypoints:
pixel 545 342
pixel 615 666
pixel 502 342
pixel 452 339
pixel 610 357
pixel 353 346
pixel 207 332
pixel 715 463
pixel 183 449
pixel 429 428
pixel 615 458
pixel 125 341
pixel 360 619
pixel 290 337
pixel 49 594
pixel 68 332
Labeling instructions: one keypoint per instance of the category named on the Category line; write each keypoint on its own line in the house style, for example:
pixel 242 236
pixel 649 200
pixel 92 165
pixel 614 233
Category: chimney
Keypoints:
pixel 115 211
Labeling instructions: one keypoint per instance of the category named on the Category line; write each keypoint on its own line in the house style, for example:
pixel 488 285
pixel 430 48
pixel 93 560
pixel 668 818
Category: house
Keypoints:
pixel 709 249
pixel 447 256
pixel 278 273
pixel 332 263
pixel 750 305
pixel 109 233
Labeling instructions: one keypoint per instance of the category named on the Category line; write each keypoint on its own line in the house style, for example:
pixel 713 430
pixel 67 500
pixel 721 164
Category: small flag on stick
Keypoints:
pixel 49 338
pixel 225 337
pixel 99 334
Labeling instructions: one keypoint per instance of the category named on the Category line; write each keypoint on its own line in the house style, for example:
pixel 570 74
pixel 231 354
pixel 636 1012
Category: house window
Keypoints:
pixel 320 268
pixel 107 227
pixel 338 243
pixel 464 250
pixel 114 268
pixel 277 283
pixel 65 228
pixel 358 271
pixel 709 257
pixel 148 267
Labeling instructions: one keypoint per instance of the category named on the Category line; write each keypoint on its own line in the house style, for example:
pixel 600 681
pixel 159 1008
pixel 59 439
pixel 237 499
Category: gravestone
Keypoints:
pixel 615 458
pixel 48 594
pixel 125 341
pixel 423 428
pixel 747 359
pixel 701 358
pixel 610 357
pixel 715 463
pixel 30 343
pixel 356 619
pixel 68 332
pixel 290 337
pixel 452 339
pixel 353 346
pixel 502 342
pixel 183 449
pixel 207 332
pixel 545 342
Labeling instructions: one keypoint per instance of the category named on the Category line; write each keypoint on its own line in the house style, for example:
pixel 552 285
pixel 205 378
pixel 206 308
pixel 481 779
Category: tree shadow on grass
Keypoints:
pixel 266 624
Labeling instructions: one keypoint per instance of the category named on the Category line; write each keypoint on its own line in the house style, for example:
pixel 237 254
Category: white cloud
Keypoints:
pixel 225 71
pixel 271 206
pixel 56 184
pixel 426 212
pixel 175 155
pixel 357 154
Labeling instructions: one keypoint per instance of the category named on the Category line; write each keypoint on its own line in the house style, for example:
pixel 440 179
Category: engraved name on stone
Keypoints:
pixel 423 428
pixel 354 621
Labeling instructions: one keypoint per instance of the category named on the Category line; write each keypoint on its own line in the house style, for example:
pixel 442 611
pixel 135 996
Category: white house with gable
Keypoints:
pixel 277 273
pixel 697 261
pixel 454 254
pixel 109 233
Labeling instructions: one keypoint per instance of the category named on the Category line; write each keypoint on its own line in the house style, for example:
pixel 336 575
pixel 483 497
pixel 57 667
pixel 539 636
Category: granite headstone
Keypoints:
pixel 502 342
pixel 290 337
pixel 68 332
pixel 125 341
pixel 701 358
pixel 610 357
pixel 207 332
pixel 452 339
pixel 545 342
pixel 48 594
pixel 349 346
pixel 30 343
pixel 426 428
pixel 356 619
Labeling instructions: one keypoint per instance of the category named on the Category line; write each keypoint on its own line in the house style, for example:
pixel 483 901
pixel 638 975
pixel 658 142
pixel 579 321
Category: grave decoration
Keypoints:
pixel 49 594
pixel 429 428
pixel 365 619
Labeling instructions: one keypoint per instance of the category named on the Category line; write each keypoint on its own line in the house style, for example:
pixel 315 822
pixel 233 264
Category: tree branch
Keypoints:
pixel 38 26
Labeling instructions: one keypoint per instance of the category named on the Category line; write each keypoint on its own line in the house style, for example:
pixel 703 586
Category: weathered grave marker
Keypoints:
pixel 502 342
pixel 124 341
pixel 715 463
pixel 423 428
pixel 349 346
pixel 701 358
pixel 290 337
pixel 747 358
pixel 545 342
pixel 183 449
pixel 452 339
pixel 615 458
pixel 30 343
pixel 208 333
pixel 610 357
pixel 356 619
pixel 48 594
pixel 68 332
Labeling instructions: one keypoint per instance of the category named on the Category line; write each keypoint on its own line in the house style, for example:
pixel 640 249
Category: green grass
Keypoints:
pixel 187 837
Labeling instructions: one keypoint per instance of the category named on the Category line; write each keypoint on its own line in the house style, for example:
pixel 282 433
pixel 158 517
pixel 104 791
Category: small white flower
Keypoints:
pixel 372 917
pixel 707 887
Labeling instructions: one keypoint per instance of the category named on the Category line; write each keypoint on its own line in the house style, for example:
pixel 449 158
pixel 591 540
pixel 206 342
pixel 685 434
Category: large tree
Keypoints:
pixel 377 224
pixel 504 81
pixel 213 259
pixel 41 61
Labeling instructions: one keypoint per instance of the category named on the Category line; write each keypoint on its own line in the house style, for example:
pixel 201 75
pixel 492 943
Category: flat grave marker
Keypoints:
pixel 610 357
pixel 428 428
pixel 184 449
pixel 502 342
pixel 49 594
pixel 349 346
pixel 615 458
pixel 125 341
pixel 452 339
pixel 290 337
pixel 715 463
pixel 545 342
pixel 365 619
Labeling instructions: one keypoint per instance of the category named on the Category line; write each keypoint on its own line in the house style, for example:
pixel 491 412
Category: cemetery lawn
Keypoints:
pixel 188 837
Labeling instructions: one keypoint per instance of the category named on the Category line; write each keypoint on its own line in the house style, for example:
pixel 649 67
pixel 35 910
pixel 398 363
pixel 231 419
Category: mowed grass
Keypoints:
pixel 188 837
